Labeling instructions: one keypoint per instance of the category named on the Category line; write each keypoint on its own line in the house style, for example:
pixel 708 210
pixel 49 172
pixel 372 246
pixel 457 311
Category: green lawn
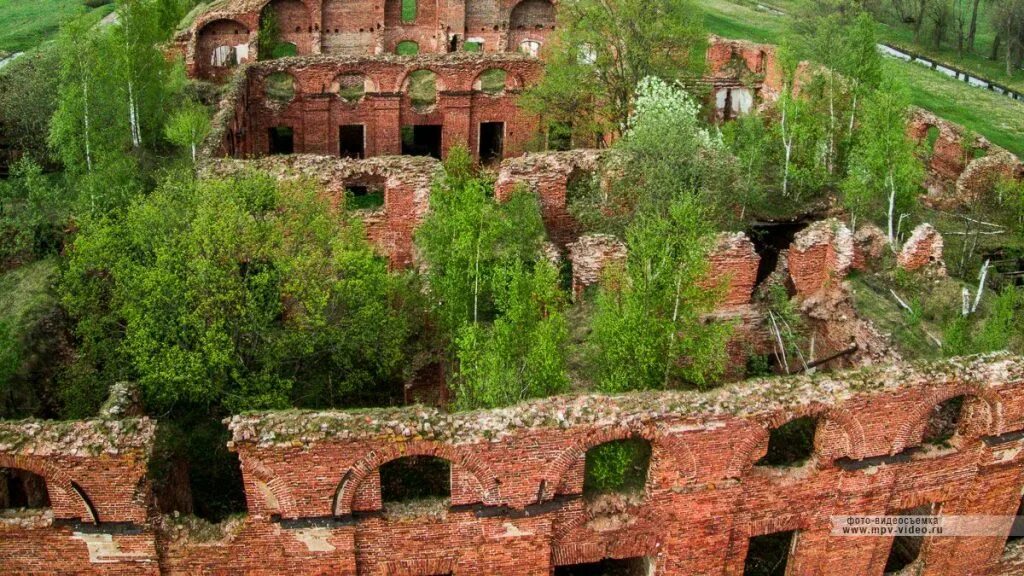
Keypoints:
pixel 998 118
pixel 25 24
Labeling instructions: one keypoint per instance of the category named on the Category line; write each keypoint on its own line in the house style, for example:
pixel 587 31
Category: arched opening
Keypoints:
pixel 351 87
pixel 531 20
pixel 222 44
pixel 285 29
pixel 279 87
pixel 421 89
pixel 22 491
pixel 791 444
pixel 491 82
pixel 407 48
pixel 414 484
pixel 617 467
pixel 530 48
pixel 944 422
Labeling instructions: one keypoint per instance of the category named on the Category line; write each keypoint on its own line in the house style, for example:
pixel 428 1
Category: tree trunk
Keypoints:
pixel 919 21
pixel 974 25
pixel 995 48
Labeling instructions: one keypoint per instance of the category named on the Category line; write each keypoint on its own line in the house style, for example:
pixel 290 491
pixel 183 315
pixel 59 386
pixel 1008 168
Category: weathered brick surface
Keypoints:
pixel 733 262
pixel 517 474
pixel 364 27
pixel 922 250
pixel 820 256
pixel 316 111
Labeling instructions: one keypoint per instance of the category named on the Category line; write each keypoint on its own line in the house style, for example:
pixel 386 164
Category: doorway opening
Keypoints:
pixel 492 141
pixel 422 140
pixel 352 141
pixel 282 140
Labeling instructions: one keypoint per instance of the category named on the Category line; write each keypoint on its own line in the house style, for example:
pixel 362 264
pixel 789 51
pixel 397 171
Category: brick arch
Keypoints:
pixel 556 472
pixel 990 419
pixel 439 78
pixel 66 496
pixel 488 484
pixel 751 449
pixel 277 486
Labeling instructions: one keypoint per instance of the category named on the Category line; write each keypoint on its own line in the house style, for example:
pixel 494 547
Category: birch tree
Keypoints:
pixel 885 174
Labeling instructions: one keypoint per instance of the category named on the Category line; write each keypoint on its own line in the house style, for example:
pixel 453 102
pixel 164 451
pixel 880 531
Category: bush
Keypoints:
pixel 619 466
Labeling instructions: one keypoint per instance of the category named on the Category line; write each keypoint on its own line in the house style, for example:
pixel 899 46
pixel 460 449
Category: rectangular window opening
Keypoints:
pixel 282 140
pixel 768 554
pixel 906 550
pixel 492 141
pixel 422 140
pixel 1017 529
pixel 636 566
pixel 352 141
pixel 408 11
pixel 365 197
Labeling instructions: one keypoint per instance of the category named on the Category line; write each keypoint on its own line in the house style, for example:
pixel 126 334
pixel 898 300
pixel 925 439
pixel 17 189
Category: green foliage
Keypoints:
pixel 269 35
pixel 654 163
pixel 749 139
pixel 408 11
pixel 885 173
pixel 523 353
pixel 33 213
pixel 601 52
pixel 407 48
pixel 188 127
pixel 28 98
pixel 497 303
pixel 236 292
pixel 648 330
pixel 422 88
pixel 618 466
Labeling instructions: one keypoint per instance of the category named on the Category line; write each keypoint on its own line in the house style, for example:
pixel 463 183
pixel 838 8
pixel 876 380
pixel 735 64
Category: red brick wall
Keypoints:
pixel 316 112
pixel 517 476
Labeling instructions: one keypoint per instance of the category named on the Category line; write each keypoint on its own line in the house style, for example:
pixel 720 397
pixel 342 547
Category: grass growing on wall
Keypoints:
pixel 25 24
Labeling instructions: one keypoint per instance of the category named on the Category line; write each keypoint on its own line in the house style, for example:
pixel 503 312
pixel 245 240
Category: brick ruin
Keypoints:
pixel 515 501
pixel 960 165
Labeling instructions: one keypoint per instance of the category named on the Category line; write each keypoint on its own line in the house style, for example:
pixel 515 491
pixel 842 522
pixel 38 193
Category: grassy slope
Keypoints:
pixel 25 24
pixel 999 119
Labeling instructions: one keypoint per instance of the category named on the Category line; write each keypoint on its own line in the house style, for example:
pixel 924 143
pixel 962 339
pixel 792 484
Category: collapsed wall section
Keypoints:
pixel 91 516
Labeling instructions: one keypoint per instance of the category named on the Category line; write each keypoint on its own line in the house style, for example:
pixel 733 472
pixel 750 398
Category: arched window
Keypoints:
pixel 22 490
pixel 530 48
pixel 618 466
pixel 943 423
pixel 407 48
pixel 491 82
pixel 351 87
pixel 421 88
pixel 415 478
pixel 279 87
pixel 791 444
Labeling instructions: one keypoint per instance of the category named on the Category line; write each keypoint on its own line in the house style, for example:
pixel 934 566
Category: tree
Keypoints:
pixel 188 127
pixel 238 293
pixel 667 151
pixel 33 213
pixel 601 52
pixel 885 173
pixel 523 353
pixel 1008 20
pixel 496 301
pixel 28 98
pixel 648 325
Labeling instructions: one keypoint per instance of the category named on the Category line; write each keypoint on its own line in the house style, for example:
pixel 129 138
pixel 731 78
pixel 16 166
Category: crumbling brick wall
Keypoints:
pixel 820 256
pixel 95 474
pixel 406 182
pixel 364 28
pixel 549 175
pixel 517 501
pixel 923 250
